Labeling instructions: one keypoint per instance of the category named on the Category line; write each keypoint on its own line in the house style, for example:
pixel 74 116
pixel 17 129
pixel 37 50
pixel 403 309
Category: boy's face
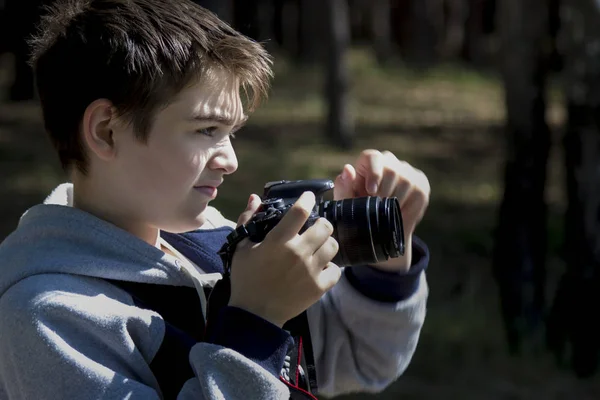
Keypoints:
pixel 167 182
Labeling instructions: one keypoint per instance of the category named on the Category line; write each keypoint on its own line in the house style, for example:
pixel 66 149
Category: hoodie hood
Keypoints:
pixel 54 237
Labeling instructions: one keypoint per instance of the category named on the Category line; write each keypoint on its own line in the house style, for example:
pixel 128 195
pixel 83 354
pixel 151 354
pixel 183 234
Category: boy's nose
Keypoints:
pixel 225 160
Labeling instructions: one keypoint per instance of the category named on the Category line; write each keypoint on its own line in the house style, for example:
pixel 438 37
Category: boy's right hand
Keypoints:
pixel 280 277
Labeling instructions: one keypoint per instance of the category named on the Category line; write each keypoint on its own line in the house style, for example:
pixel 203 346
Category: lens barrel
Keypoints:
pixel 367 229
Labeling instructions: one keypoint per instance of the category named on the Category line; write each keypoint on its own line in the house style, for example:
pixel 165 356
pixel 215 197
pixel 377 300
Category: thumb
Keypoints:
pixel 251 209
pixel 344 183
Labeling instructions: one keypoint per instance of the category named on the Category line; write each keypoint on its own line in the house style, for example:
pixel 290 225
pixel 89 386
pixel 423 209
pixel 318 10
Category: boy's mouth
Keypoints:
pixel 209 190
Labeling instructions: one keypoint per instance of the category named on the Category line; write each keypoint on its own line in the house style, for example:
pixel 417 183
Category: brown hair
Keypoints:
pixel 138 54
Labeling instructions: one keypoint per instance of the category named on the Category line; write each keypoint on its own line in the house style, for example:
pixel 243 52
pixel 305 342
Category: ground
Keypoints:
pixel 447 122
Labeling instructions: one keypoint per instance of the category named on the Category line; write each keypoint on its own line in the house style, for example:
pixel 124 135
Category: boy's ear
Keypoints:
pixel 98 120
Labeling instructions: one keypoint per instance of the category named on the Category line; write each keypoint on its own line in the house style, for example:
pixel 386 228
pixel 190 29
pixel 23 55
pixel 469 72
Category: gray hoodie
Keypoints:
pixel 68 333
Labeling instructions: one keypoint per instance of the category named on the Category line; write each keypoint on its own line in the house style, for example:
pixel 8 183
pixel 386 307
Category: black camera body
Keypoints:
pixel 279 196
pixel 368 229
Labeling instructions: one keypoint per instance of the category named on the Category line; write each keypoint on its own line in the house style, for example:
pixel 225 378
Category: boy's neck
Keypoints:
pixel 94 202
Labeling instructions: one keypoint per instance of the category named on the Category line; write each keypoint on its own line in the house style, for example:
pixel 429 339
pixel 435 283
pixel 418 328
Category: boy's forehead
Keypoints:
pixel 216 94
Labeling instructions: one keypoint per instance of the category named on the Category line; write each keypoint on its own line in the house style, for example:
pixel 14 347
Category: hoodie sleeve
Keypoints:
pixel 64 337
pixel 365 330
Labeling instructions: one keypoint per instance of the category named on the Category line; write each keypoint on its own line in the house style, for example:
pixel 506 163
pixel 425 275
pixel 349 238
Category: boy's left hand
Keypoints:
pixel 382 174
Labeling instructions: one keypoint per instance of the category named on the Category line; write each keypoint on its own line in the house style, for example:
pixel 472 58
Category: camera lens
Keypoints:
pixel 368 229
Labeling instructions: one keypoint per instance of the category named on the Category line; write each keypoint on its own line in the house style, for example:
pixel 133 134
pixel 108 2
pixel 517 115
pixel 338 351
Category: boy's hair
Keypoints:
pixel 139 54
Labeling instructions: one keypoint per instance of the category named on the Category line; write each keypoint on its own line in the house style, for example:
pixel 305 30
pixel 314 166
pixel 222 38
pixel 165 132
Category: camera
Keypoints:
pixel 368 229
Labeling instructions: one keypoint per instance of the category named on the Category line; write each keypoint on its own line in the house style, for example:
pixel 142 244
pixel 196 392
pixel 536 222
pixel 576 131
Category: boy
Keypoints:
pixel 102 288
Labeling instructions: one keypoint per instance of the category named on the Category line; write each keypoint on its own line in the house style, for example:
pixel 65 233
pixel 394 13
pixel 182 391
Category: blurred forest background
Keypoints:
pixel 496 101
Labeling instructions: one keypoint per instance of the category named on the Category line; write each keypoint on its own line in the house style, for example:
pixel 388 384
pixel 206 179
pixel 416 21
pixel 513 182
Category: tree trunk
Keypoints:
pixel 340 124
pixel 520 242
pixel 223 8
pixel 381 30
pixel 455 29
pixel 312 30
pixel 23 17
pixel 3 28
pixel 401 26
pixel 476 29
pixel 290 27
pixel 265 20
pixel 427 25
pixel 573 321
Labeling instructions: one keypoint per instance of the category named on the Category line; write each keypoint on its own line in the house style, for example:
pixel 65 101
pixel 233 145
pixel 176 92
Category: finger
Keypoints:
pixel 360 186
pixel 389 182
pixel 325 253
pixel 418 186
pixel 317 235
pixel 242 245
pixel 370 166
pixel 403 188
pixel 329 277
pixel 391 175
pixel 251 209
pixel 409 180
pixel 344 183
pixel 422 183
pixel 413 208
pixel 294 219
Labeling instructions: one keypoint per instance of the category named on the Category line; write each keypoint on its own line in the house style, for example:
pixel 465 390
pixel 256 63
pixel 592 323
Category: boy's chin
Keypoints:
pixel 186 225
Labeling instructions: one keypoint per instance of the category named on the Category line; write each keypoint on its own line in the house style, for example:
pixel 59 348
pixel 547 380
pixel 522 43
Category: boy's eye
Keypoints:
pixel 210 132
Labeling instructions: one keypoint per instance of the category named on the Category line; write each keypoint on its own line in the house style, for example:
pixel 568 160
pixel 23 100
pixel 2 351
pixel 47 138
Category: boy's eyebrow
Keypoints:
pixel 220 119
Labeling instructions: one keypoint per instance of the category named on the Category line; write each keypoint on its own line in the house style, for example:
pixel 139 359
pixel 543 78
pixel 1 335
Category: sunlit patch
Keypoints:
pixel 218 95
